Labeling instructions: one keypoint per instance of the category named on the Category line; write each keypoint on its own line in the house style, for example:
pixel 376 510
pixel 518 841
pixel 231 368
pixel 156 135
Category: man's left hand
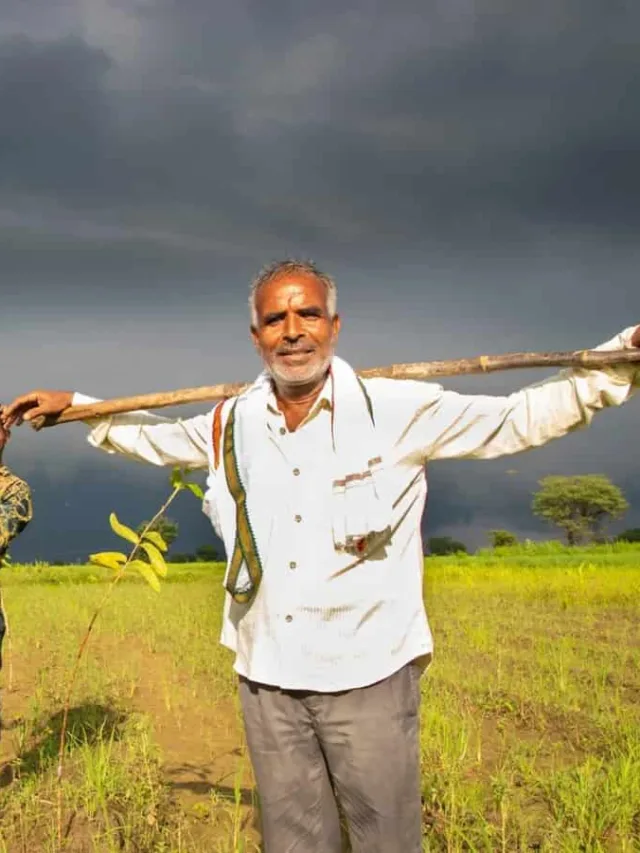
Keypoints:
pixel 635 340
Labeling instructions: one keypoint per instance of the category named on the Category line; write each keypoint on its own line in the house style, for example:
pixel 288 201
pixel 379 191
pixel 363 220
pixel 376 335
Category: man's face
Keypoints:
pixel 295 335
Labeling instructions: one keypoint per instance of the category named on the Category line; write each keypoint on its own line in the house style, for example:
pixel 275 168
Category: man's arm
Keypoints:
pixel 451 425
pixel 151 438
pixel 139 435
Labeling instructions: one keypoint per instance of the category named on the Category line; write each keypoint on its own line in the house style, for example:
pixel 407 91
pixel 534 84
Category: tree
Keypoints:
pixel 580 505
pixel 502 538
pixel 165 526
pixel 439 546
pixel 631 535
pixel 209 554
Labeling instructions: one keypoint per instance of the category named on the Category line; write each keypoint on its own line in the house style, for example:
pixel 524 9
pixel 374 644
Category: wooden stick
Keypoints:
pixel 589 359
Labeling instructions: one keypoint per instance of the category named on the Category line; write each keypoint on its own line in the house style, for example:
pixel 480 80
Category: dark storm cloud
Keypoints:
pixel 63 137
pixel 55 121
pixel 468 170
pixel 341 124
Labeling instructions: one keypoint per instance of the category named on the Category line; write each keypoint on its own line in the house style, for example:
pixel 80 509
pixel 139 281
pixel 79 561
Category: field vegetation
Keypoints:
pixel 530 716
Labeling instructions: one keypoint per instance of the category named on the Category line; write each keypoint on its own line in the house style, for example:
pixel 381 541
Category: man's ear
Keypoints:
pixel 336 324
pixel 254 337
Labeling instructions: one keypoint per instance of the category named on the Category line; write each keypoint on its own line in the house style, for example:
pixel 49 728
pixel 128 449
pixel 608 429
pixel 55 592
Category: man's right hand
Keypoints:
pixel 34 404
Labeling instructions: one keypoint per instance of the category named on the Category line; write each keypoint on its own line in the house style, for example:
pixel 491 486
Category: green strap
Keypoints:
pixel 367 399
pixel 245 549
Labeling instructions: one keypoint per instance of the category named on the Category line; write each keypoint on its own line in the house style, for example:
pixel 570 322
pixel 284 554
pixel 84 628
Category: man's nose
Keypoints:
pixel 292 327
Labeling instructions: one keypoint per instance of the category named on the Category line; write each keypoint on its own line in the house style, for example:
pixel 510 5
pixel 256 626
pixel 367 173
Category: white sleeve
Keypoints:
pixel 151 438
pixel 450 425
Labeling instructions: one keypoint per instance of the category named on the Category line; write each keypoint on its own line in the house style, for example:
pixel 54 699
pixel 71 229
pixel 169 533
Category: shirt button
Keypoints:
pixel 298 518
pixel 283 431
pixel 288 618
pixel 296 472
pixel 293 565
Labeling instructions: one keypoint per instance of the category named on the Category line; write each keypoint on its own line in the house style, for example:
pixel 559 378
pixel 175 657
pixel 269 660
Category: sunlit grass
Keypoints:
pixel 530 721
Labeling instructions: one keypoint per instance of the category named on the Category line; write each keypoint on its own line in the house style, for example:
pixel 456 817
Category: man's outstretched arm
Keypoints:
pixel 139 435
pixel 451 425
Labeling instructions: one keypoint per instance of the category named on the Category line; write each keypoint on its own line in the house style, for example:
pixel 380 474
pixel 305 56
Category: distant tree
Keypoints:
pixel 208 554
pixel 177 557
pixel 631 535
pixel 581 506
pixel 502 538
pixel 165 526
pixel 441 545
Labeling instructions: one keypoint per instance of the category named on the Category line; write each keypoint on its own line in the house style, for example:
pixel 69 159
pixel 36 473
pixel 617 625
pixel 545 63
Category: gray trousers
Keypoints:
pixel 359 748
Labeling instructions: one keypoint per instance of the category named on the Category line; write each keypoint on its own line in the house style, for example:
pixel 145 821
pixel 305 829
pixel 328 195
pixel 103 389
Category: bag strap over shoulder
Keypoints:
pixel 216 437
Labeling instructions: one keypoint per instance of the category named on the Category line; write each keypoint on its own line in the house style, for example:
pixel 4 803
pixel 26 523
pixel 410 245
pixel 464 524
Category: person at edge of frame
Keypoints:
pixel 16 512
pixel 316 483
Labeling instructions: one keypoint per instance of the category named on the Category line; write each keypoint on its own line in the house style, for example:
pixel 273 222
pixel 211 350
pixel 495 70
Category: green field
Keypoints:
pixel 530 716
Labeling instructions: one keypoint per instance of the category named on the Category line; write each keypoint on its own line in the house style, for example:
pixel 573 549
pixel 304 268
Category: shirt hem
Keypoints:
pixel 353 682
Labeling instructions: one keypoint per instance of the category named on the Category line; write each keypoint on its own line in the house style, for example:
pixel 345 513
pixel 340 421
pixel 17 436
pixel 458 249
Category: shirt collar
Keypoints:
pixel 323 403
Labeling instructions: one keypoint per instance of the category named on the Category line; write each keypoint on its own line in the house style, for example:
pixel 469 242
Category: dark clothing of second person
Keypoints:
pixel 16 512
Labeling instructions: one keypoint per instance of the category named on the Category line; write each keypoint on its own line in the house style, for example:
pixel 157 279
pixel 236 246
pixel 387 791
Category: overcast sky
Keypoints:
pixel 468 171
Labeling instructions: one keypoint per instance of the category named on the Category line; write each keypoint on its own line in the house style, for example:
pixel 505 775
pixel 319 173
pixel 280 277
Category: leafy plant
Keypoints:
pixel 148 541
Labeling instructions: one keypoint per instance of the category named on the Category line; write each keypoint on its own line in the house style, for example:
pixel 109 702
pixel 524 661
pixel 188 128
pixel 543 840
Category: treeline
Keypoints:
pixel 440 546
pixel 581 507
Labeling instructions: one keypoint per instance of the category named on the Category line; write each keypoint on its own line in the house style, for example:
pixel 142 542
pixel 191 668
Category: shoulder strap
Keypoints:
pixel 245 548
pixel 217 432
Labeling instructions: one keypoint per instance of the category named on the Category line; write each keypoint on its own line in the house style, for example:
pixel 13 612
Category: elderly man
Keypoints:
pixel 316 483
pixel 15 511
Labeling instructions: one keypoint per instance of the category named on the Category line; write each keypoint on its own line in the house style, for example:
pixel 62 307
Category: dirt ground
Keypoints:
pixel 204 764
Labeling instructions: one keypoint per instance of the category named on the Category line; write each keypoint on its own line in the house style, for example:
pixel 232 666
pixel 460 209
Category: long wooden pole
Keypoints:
pixel 589 359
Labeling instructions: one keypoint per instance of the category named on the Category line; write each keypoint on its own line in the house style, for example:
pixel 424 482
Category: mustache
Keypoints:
pixel 294 350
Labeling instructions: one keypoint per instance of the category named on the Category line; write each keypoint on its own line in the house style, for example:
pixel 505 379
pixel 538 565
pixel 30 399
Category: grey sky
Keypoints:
pixel 467 170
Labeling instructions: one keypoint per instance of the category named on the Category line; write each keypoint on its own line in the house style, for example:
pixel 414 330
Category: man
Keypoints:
pixel 316 484
pixel 15 512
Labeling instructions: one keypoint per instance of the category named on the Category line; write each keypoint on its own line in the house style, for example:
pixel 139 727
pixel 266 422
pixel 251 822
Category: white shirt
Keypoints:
pixel 308 628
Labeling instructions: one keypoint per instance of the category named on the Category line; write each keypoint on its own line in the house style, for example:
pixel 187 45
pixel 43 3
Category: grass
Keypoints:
pixel 530 716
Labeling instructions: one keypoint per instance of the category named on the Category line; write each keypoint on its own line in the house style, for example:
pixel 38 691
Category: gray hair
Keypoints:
pixel 290 265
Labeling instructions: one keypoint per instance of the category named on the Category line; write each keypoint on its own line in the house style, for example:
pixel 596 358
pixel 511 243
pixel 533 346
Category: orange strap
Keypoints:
pixel 217 433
